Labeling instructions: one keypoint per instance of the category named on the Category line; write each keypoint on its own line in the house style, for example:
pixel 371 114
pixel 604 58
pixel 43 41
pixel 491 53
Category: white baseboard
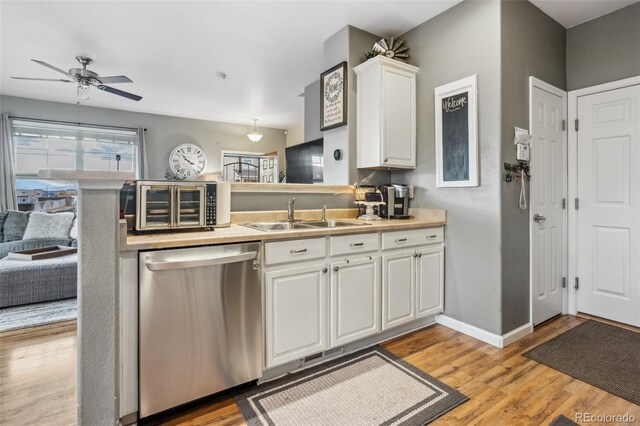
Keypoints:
pixel 516 334
pixel 483 335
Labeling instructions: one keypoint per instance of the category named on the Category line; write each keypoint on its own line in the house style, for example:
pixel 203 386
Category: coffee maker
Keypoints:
pixel 396 198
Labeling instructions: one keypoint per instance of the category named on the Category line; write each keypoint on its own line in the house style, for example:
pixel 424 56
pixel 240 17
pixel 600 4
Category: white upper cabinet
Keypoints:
pixel 386 114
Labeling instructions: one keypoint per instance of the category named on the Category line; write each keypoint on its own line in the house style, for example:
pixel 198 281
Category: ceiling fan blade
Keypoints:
pixel 44 79
pixel 114 79
pixel 54 68
pixel 119 92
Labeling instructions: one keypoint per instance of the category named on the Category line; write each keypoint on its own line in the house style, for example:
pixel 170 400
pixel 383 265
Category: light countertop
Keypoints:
pixel 238 233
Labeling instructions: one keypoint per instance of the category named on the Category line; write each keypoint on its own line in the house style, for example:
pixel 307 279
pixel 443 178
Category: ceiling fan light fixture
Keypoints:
pixel 255 135
pixel 84 92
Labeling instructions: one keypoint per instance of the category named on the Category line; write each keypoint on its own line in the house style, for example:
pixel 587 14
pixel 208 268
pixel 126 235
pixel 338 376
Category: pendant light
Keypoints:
pixel 255 136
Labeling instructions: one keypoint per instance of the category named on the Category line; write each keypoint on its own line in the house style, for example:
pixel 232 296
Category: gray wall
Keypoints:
pixel 336 50
pixel 165 132
pixel 463 41
pixel 312 112
pixel 533 44
pixel 604 49
pixel 349 44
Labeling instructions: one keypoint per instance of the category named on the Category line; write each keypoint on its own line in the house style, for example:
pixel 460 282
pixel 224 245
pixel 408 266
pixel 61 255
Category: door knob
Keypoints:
pixel 538 218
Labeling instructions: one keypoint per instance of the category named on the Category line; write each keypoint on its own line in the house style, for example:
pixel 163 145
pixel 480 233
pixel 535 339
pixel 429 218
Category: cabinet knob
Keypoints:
pixel 419 254
pixel 336 268
pixel 386 160
pixel 324 270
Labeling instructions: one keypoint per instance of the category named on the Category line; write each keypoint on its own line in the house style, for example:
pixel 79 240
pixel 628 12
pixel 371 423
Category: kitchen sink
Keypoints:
pixel 276 226
pixel 288 226
pixel 333 223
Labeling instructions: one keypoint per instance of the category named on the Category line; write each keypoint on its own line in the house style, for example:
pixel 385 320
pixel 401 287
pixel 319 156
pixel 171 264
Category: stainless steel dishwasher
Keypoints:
pixel 200 323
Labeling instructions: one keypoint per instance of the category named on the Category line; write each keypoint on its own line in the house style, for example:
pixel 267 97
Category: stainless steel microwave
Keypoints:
pixel 164 205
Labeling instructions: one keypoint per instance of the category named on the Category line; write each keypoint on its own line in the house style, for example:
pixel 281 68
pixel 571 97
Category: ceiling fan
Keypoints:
pixel 86 78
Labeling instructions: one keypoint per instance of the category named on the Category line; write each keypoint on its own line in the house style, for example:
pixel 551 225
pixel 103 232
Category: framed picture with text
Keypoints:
pixel 456 123
pixel 333 97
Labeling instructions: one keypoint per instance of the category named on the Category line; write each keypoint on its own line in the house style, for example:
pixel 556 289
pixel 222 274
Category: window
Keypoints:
pixel 52 145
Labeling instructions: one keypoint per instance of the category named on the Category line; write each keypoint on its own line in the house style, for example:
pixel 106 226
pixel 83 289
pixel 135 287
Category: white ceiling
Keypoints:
pixel 570 13
pixel 172 51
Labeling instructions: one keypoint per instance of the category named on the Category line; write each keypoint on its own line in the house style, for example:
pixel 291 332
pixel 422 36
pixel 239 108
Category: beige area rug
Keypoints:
pixel 603 355
pixel 370 387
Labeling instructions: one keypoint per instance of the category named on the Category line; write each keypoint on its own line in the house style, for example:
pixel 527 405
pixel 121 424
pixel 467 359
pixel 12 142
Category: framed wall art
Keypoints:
pixel 333 97
pixel 456 115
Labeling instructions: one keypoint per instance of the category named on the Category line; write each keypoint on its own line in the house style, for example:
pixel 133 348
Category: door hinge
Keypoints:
pixel 577 284
pixel 577 203
pixel 564 203
pixel 564 125
pixel 564 282
pixel 576 123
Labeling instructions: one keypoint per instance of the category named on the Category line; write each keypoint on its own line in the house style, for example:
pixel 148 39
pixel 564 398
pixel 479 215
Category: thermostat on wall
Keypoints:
pixel 337 154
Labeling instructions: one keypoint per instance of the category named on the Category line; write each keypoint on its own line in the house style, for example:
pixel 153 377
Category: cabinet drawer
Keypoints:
pixel 348 244
pixel 416 237
pixel 294 251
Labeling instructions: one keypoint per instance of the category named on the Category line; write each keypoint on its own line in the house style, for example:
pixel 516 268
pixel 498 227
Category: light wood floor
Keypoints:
pixel 37 380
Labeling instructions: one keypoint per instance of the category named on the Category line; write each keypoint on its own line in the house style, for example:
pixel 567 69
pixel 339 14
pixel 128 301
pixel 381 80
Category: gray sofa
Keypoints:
pixel 12 227
pixel 25 282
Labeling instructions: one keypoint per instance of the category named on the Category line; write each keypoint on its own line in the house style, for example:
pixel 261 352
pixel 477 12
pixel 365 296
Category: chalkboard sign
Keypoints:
pixel 456 136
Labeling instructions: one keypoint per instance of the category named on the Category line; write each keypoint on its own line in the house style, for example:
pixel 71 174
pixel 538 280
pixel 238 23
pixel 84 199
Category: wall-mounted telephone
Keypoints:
pixel 521 139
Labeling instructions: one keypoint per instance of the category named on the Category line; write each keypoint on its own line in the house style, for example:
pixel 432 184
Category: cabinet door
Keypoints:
pixel 355 300
pixel 430 280
pixel 398 288
pixel 295 306
pixel 398 119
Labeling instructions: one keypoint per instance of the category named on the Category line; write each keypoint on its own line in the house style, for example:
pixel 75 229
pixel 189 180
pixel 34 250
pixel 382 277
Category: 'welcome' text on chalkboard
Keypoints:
pixel 455 137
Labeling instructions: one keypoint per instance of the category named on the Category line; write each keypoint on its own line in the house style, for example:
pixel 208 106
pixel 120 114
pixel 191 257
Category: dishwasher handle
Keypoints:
pixel 200 262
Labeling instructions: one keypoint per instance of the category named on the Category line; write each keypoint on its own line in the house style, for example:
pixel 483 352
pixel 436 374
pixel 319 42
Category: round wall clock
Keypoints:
pixel 187 161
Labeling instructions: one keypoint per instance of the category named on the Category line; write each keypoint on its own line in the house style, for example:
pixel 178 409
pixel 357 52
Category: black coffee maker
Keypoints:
pixel 396 198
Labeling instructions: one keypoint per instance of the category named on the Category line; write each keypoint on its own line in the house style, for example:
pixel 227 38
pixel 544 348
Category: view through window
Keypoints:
pixel 49 145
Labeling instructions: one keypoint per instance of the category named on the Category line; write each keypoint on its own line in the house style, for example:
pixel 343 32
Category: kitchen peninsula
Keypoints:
pixel 319 293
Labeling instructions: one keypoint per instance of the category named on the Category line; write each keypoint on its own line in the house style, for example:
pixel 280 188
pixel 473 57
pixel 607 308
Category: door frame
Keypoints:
pixel 537 83
pixel 573 176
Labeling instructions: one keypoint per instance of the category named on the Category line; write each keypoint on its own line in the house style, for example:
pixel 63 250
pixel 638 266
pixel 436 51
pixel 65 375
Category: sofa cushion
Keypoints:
pixel 48 225
pixel 3 215
pixel 6 248
pixel 15 223
pixel 73 232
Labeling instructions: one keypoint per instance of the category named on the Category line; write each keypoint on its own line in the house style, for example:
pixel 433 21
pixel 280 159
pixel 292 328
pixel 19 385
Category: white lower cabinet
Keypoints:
pixel 429 280
pixel 324 293
pixel 398 288
pixel 296 309
pixel 355 299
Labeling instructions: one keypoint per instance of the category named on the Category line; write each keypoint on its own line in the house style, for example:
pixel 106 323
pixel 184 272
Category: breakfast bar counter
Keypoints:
pixel 422 218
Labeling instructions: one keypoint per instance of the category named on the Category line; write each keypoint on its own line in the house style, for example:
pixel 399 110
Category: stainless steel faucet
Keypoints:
pixel 290 210
pixel 324 213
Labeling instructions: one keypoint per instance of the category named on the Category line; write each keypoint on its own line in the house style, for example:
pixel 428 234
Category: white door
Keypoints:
pixel 430 280
pixel 608 216
pixel 548 167
pixel 398 288
pixel 295 313
pixel 355 299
